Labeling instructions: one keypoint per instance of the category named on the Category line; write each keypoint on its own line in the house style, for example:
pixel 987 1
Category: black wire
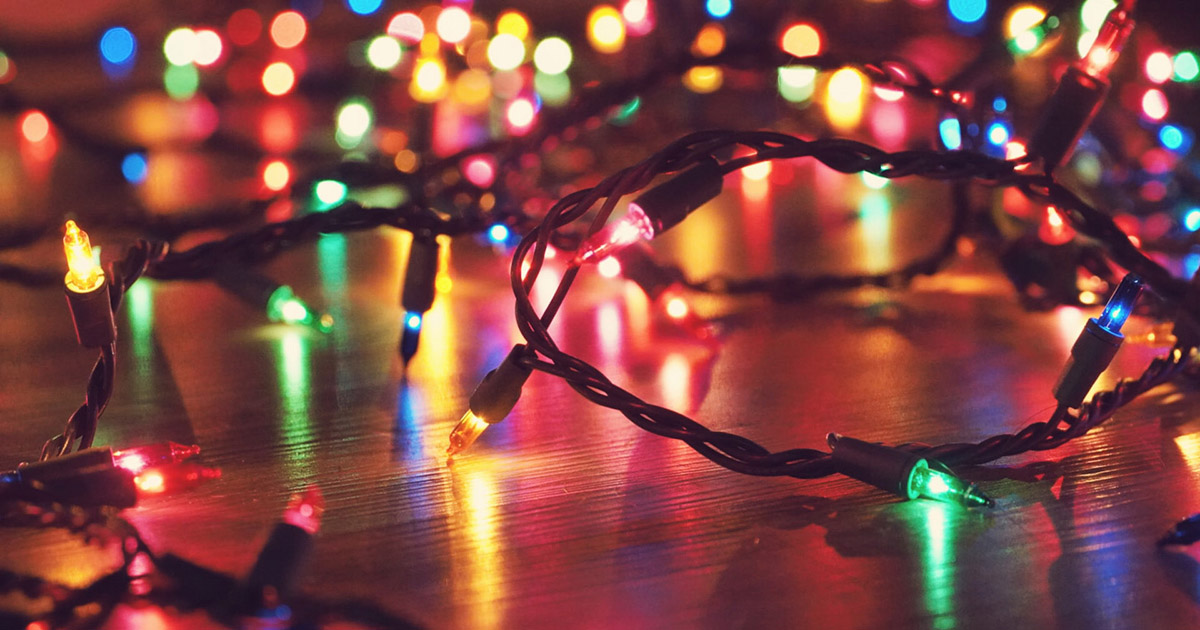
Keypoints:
pixel 741 454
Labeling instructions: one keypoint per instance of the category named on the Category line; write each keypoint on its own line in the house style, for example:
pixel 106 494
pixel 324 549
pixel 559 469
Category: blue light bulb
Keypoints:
pixel 498 234
pixel 951 133
pixel 1120 305
pixel 412 321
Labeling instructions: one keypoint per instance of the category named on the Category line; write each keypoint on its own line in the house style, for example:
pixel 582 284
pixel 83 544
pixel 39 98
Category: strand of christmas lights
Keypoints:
pixel 693 159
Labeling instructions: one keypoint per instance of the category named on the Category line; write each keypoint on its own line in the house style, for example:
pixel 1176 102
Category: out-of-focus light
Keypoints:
pixel 998 134
pixel 513 23
pixel 1015 149
pixel 473 88
pixel 480 170
pixel 134 168
pixel 873 181
pixel 353 122
pixel 1054 229
pixel 429 80
pixel 1159 67
pixel 1154 104
pixel 801 40
pixel 384 52
pixel 406 26
pixel 704 79
pixel 520 113
pixel 7 68
pixel 846 86
pixel 719 9
pixel 244 27
pixel 554 89
pixel 278 78
pixel 1093 12
pixel 364 7
pixel 506 52
pixel 635 11
pixel 35 126
pixel 288 29
pixel 1186 66
pixel 552 55
pixel 181 82
pixel 1000 104
pixel 498 234
pixel 208 47
pixel 1171 137
pixel 1023 28
pixel 151 482
pixel 609 267
pixel 951 133
pixel 180 46
pixel 276 175
pixel 118 45
pixel 1191 219
pixel 758 171
pixel 605 29
pixel 709 41
pixel 796 83
pixel 453 24
pixel 888 94
pixel 968 11
pixel 330 192
pixel 677 308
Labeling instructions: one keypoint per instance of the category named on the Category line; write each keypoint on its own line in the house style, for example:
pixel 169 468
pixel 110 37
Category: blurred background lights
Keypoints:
pixel 364 7
pixel 180 46
pixel 1187 68
pixel 244 27
pixel 406 26
pixel 605 29
pixel 383 53
pixel 276 175
pixel 951 133
pixel 521 113
pixel 718 8
pixel 1021 27
pixel 208 47
pixel 506 52
pixel 552 55
pixel 513 23
pixel 1191 219
pixel 35 127
pixel 453 24
pixel 967 11
pixel 1159 67
pixel 1154 104
pixel 288 29
pixel 801 40
pixel 117 45
pixel 278 78
pixel 354 119
pixel 134 168
pixel 997 133
pixel 498 234
pixel 330 192
pixel 7 68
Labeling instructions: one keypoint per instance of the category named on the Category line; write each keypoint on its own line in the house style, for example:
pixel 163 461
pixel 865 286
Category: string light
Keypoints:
pixel 117 45
pixel 278 78
pixel 384 52
pixel 288 29
pixel 552 55
pixel 606 30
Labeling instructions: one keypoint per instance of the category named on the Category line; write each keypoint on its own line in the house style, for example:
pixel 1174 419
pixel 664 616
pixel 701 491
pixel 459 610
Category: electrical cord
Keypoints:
pixel 739 453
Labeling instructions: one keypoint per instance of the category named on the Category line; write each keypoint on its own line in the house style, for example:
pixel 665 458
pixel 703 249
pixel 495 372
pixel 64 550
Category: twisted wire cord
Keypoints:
pixel 742 454
pixel 81 426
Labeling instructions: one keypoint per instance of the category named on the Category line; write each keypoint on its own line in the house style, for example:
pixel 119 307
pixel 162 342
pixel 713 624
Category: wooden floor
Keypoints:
pixel 566 514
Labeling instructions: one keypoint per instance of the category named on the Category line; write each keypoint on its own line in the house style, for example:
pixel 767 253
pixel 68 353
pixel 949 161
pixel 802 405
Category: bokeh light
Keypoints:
pixel 278 78
pixel 180 46
pixel 364 7
pixel 513 23
pixel 118 45
pixel 709 41
pixel 134 168
pixel 276 175
pixel 406 26
pixel 719 8
pixel 506 52
pixel 244 27
pixel 801 40
pixel 35 127
pixel 552 55
pixel 384 52
pixel 967 11
pixel 453 24
pixel 606 30
pixel 288 29
pixel 1187 68
pixel 1154 104
pixel 1159 67
pixel 208 47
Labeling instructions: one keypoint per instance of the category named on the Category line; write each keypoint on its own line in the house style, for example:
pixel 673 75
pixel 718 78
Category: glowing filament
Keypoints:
pixel 468 430
pixel 84 274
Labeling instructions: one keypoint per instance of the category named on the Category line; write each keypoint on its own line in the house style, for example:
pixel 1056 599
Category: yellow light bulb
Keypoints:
pixel 84 275
pixel 468 430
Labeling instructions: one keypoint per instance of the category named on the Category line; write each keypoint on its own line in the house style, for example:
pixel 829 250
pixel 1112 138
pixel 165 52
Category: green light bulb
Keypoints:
pixel 329 193
pixel 942 486
pixel 284 306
